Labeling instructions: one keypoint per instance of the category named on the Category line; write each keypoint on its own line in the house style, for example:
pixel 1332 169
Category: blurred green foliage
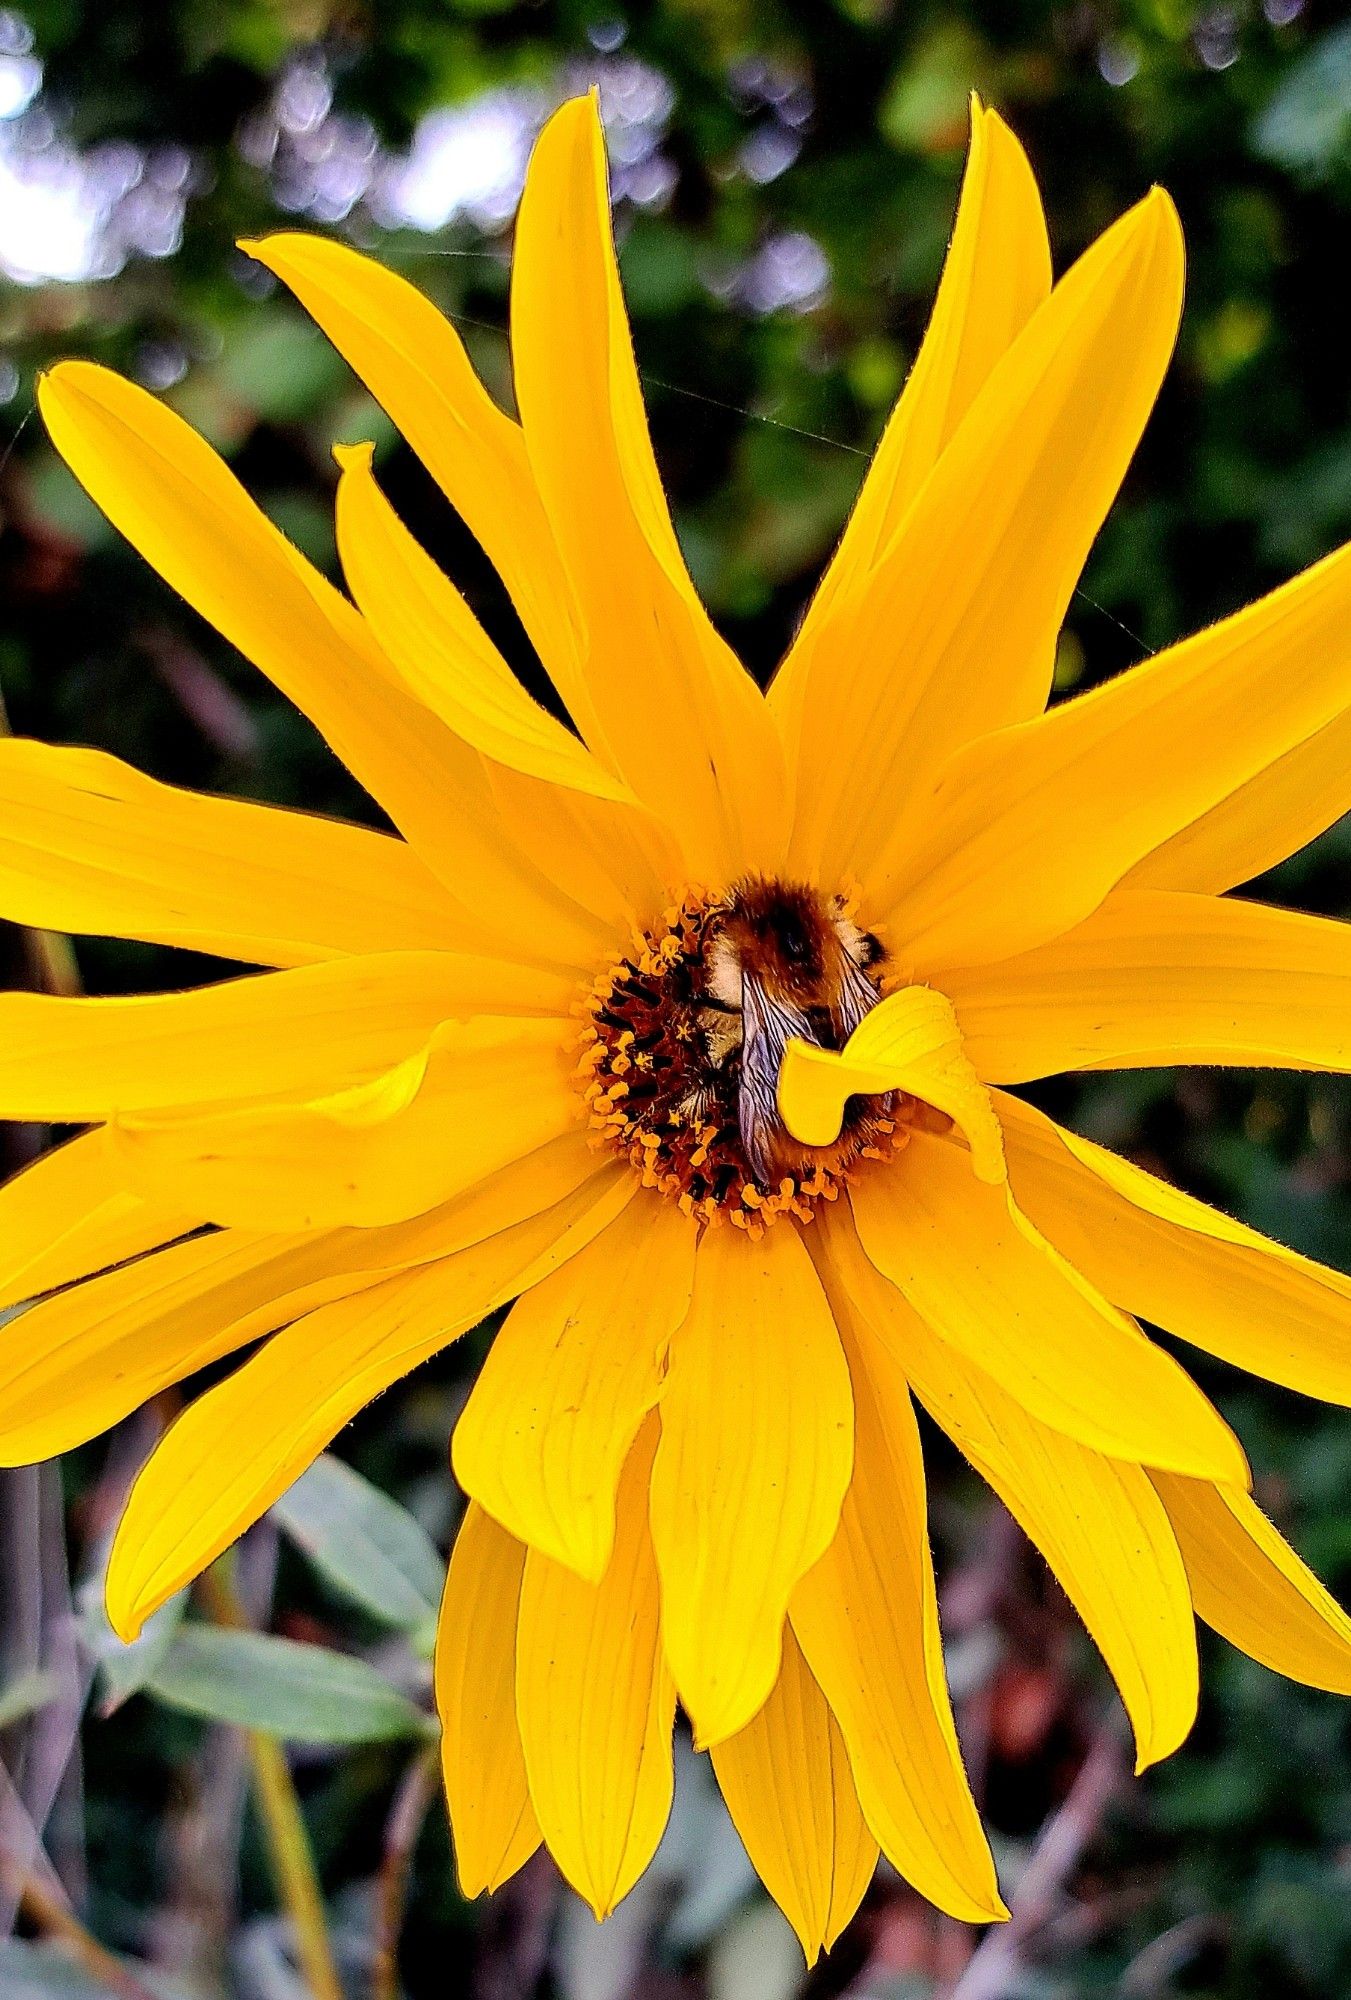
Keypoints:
pixel 792 167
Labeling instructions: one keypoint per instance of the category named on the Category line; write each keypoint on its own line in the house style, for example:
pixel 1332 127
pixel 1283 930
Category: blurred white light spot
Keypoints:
pixel 16 37
pixel 20 82
pixel 9 380
pixel 1119 61
pixel 768 152
pixel 789 272
pixel 467 160
pixel 1281 13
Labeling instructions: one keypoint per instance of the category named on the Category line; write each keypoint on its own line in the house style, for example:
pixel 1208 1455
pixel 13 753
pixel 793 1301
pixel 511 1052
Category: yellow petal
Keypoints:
pixel 951 632
pixel 1028 830
pixel 88 844
pixel 596 1704
pixel 491 1817
pixel 304 1030
pixel 786 1780
pixel 997 272
pixel 867 1618
pixel 1249 1584
pixel 413 362
pixel 478 1095
pixel 910 1042
pixel 696 744
pixel 756 1447
pixel 568 1380
pixel 1184 1266
pixel 1274 814
pixel 237 1448
pixel 1155 977
pixel 995 1290
pixel 439 647
pixel 80 1362
pixel 70 1214
pixel 175 500
pixel 1097 1520
pixel 576 822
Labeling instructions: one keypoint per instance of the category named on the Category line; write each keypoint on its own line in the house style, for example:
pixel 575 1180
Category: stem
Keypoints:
pixel 288 1842
pixel 411 1802
pixel 54 1919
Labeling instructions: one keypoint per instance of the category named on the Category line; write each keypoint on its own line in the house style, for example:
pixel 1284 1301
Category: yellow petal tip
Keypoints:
pixel 355 457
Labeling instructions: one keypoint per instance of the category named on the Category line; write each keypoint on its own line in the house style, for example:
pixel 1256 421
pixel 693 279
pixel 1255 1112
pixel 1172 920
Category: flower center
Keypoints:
pixel 685 1035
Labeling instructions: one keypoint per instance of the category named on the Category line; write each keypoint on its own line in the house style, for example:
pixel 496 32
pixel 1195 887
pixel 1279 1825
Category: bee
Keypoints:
pixel 780 960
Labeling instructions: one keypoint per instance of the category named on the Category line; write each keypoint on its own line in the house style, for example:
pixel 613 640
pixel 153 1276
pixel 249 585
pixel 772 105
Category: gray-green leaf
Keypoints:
pixel 364 1544
pixel 305 1694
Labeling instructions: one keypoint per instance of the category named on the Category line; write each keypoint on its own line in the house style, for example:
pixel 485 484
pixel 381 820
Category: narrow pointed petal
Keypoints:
pixel 1273 815
pixel 951 632
pixel 1181 1264
pixel 478 1095
pixel 482 1765
pixel 413 362
pixel 1248 1583
pixel 573 819
pixel 711 768
pixel 1154 978
pixel 439 647
pixel 786 1782
pixel 1028 830
pixel 175 500
pixel 997 272
pixel 756 1448
pixel 567 1382
pixel 1097 1520
pixel 910 1042
pixel 70 1214
pixel 991 1287
pixel 596 1703
pixel 867 1618
pixel 78 1363
pixel 87 844
pixel 238 1447
pixel 71 1060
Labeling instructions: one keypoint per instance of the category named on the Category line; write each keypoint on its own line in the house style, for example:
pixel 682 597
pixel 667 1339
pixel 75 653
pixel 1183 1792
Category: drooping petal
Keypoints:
pixel 165 489
pixel 787 1784
pixel 1028 830
pixel 997 272
pixel 78 1363
pixel 239 1446
pixel 413 362
pixel 596 1703
pixel 569 1378
pixel 909 1042
pixel 477 1095
pixel 994 1289
pixel 439 647
pixel 1248 1583
pixel 1181 1264
pixel 867 1618
pixel 755 1454
pixel 304 1030
pixel 696 744
pixel 1155 977
pixel 87 844
pixel 1096 1520
pixel 68 1214
pixel 1271 816
pixel 492 1820
pixel 952 631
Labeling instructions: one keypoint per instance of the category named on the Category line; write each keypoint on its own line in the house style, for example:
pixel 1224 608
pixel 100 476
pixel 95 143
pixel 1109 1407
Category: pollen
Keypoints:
pixel 670 1058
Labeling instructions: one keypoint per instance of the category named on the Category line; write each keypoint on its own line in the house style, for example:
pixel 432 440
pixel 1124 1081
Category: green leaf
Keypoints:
pixel 305 1694
pixel 26 1694
pixel 364 1544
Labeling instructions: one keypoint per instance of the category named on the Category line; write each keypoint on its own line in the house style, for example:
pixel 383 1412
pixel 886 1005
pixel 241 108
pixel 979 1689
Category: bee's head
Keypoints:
pixel 781 932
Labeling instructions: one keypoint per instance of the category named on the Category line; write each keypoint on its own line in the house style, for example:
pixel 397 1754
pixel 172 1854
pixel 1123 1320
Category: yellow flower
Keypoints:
pixel 693 1033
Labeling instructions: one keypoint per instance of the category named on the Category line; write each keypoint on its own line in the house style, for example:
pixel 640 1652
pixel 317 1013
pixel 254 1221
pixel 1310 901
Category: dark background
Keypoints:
pixel 787 175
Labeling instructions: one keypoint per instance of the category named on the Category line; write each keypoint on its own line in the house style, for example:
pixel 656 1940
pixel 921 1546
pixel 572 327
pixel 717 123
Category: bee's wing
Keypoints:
pixel 766 1027
pixel 858 996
